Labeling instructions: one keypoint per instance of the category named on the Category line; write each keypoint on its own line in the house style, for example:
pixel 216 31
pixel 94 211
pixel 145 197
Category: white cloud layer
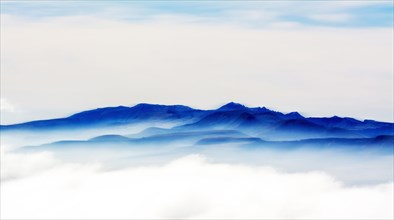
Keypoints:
pixel 75 63
pixel 189 187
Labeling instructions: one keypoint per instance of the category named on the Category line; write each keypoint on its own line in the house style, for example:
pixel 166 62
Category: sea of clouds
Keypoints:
pixel 201 185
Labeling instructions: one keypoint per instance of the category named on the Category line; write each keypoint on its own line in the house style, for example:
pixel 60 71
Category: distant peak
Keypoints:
pixel 294 115
pixel 336 118
pixel 232 106
pixel 145 105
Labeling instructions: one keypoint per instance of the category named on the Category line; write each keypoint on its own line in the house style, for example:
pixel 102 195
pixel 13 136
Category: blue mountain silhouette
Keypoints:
pixel 113 116
pixel 257 122
pixel 220 137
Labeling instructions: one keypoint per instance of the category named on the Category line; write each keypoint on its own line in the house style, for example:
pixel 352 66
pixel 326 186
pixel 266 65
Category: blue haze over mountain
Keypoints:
pixel 230 124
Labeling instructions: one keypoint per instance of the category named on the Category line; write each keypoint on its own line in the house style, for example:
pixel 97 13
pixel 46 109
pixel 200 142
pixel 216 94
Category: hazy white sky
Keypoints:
pixel 55 65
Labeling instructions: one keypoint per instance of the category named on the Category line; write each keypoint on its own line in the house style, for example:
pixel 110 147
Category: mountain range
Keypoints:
pixel 231 123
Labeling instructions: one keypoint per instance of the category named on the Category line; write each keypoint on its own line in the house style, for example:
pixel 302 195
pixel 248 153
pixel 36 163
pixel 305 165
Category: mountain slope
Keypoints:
pixel 258 122
pixel 111 116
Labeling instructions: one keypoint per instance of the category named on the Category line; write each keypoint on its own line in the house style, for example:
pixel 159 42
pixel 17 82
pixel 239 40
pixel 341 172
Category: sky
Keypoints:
pixel 320 58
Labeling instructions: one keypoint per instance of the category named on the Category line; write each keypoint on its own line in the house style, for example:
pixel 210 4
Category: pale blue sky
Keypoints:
pixel 251 13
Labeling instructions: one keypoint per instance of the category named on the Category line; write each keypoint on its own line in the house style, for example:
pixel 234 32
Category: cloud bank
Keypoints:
pixel 188 187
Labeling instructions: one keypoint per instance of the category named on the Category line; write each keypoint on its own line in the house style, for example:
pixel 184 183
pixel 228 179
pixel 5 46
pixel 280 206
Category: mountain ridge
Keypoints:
pixel 232 115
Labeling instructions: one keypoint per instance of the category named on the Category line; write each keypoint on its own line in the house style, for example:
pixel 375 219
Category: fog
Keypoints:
pixel 182 180
pixel 16 139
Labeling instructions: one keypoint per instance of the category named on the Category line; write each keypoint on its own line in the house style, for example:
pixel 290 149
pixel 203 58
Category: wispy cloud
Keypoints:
pixel 247 13
pixel 331 17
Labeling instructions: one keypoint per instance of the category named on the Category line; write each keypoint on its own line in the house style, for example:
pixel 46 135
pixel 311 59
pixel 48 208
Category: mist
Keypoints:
pixel 182 180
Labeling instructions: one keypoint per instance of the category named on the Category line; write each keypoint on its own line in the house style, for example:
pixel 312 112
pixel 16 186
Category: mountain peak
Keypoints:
pixel 294 115
pixel 232 106
pixel 150 107
pixel 145 105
